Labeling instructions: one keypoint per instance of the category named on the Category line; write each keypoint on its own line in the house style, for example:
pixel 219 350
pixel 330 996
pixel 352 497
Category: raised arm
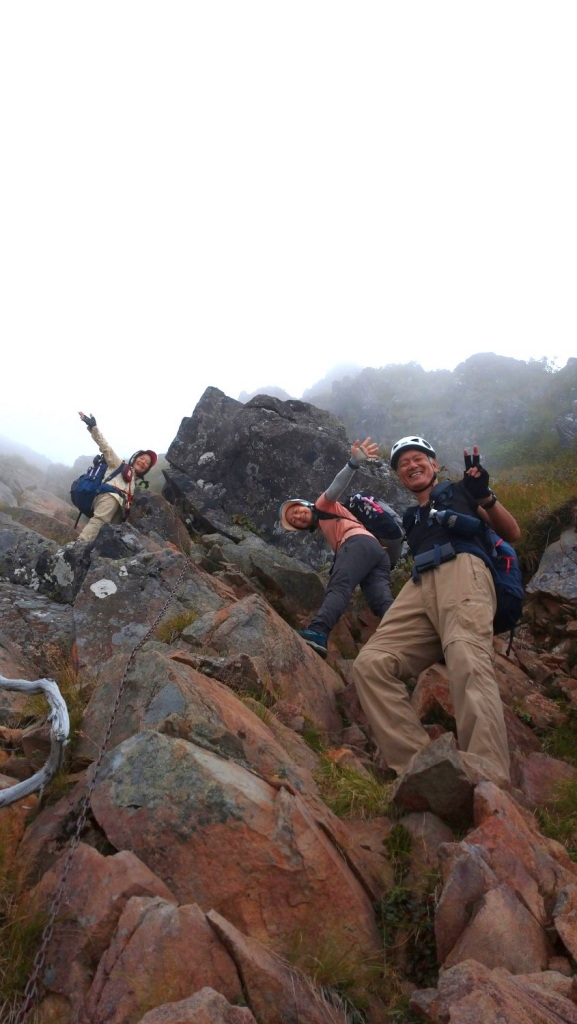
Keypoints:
pixel 112 460
pixel 359 454
pixel 476 480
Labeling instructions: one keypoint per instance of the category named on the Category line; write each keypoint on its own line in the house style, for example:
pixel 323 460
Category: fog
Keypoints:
pixel 246 194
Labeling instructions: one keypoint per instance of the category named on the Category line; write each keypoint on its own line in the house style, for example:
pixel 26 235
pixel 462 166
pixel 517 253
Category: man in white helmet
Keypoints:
pixel 446 610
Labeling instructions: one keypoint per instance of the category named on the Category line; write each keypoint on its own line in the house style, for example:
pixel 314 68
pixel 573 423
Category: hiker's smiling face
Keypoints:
pixel 142 463
pixel 299 516
pixel 415 470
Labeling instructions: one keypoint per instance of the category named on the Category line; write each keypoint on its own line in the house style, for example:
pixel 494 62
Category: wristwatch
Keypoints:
pixel 490 503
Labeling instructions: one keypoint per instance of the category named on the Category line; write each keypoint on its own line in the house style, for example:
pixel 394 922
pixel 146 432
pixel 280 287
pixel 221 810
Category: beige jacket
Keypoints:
pixel 113 462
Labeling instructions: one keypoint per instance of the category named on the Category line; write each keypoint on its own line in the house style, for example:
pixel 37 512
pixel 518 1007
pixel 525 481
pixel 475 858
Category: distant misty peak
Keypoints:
pixel 10 447
pixel 271 390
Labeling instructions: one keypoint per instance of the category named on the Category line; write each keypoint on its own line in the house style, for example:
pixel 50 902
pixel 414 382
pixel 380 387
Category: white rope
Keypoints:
pixel 59 731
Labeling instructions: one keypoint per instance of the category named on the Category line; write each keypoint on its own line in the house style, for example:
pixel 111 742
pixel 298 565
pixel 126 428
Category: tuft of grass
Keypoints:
pixel 342 974
pixel 350 794
pixel 542 500
pixel 314 738
pixel 399 846
pixel 21 926
pixel 558 820
pixel 258 705
pixel 62 667
pixel 171 628
pixel 561 741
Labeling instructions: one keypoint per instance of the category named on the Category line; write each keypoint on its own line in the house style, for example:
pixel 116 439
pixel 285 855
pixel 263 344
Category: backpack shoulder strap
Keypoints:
pixel 442 493
pixel 115 472
pixel 319 514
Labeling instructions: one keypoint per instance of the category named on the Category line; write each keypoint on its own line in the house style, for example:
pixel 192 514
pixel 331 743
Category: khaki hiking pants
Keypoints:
pixel 106 510
pixel 450 612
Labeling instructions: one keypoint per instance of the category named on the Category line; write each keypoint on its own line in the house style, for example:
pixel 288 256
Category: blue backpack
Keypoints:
pixel 87 486
pixel 508 584
pixel 501 559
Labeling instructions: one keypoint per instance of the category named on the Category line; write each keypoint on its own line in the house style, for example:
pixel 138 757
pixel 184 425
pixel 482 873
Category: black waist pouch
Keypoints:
pixel 431 559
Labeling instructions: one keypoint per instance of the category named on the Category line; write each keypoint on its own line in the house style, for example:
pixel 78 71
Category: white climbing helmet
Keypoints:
pixel 285 507
pixel 405 443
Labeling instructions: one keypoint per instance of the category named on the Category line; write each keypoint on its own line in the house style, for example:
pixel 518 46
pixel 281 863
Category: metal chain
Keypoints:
pixel 31 993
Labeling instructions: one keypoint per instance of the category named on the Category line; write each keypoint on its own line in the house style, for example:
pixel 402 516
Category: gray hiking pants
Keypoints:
pixel 360 560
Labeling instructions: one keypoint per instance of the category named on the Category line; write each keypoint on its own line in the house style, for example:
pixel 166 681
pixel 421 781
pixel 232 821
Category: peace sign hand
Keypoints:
pixel 475 477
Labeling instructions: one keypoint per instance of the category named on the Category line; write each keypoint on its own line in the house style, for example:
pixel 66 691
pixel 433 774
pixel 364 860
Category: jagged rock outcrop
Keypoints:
pixel 233 462
pixel 557 572
pixel 34 623
pixel 471 993
pixel 285 878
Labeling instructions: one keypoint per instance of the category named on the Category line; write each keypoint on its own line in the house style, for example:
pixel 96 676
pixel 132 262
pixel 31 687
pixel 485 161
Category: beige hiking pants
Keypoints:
pixel 106 510
pixel 450 612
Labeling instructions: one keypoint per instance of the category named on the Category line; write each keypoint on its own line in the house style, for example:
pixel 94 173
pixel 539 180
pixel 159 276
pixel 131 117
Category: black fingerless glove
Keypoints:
pixel 90 421
pixel 477 486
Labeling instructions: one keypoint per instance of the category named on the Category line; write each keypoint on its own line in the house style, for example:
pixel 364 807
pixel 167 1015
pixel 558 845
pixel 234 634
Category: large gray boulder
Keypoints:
pixel 557 572
pixel 35 624
pixel 232 465
pixel 290 582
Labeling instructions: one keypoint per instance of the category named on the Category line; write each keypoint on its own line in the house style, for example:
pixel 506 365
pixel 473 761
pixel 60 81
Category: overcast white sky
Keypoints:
pixel 243 193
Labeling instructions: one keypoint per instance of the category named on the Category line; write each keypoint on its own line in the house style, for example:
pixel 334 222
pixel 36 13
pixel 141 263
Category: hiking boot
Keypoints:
pixel 317 641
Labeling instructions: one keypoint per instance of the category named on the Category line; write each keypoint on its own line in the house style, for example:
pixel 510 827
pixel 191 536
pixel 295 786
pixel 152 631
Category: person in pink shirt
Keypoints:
pixel 359 557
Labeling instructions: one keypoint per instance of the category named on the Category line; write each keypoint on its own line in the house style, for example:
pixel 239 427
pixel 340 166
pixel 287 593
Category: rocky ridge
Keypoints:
pixel 245 856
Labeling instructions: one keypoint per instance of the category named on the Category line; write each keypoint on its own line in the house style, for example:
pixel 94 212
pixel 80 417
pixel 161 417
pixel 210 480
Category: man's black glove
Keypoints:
pixel 89 420
pixel 477 486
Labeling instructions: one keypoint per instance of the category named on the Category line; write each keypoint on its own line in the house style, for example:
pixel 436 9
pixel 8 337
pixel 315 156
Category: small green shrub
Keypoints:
pixel 524 715
pixel 407 920
pixel 247 524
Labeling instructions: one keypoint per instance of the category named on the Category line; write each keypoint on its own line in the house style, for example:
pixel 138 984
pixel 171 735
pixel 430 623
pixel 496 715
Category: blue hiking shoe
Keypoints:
pixel 317 641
